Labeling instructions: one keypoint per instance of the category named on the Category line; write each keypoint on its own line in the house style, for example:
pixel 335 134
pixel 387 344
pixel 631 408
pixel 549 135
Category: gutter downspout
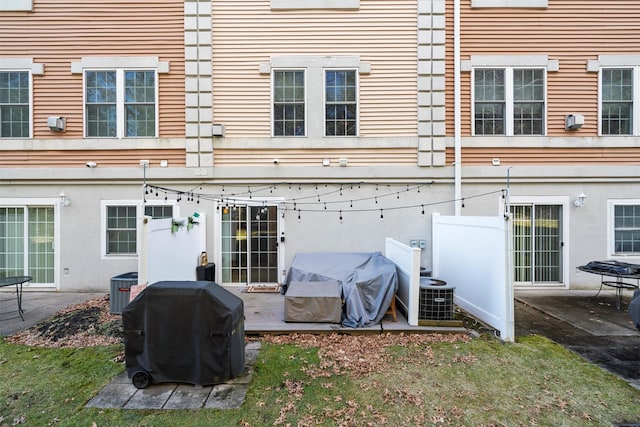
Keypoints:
pixel 457 137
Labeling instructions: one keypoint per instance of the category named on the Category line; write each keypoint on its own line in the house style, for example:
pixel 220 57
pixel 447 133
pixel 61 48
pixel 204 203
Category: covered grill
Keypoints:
pixel 184 331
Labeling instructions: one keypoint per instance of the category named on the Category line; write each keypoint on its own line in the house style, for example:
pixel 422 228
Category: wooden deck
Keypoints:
pixel 264 314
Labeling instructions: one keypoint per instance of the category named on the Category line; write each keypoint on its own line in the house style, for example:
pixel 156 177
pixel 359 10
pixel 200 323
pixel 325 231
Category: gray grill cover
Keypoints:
pixel 185 331
pixel 368 282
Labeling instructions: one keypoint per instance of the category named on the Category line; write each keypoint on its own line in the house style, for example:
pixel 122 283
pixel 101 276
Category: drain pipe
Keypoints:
pixel 457 136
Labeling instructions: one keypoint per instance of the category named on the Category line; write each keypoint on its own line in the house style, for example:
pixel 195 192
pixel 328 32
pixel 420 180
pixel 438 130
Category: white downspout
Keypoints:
pixel 457 136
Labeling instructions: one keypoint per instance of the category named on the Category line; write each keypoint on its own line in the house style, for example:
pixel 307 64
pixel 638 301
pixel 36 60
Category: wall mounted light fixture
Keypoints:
pixel 64 199
pixel 580 199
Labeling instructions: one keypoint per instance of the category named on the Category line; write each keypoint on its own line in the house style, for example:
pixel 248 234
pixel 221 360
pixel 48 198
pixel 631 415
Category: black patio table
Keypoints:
pixel 621 272
pixel 16 281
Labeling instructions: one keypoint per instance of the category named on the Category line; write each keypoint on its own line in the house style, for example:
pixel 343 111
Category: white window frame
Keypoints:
pixel 314 67
pixel 120 102
pixel 509 100
pixel 635 106
pixel 140 205
pixel 324 102
pixel 18 65
pixel 120 64
pixel 611 238
pixel 306 101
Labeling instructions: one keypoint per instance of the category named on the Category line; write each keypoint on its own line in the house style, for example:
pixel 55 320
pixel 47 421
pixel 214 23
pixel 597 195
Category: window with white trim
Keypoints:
pixel 121 220
pixel 314 96
pixel 617 115
pixel 120 103
pixel 625 227
pixel 341 105
pixel 289 103
pixel 509 101
pixel 15 104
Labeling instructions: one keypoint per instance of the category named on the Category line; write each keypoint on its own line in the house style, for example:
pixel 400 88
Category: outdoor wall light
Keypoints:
pixel 64 200
pixel 580 199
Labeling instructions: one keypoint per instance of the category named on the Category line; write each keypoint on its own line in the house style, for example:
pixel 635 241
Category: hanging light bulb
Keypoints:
pixel 341 217
pixel 381 216
pixel 422 209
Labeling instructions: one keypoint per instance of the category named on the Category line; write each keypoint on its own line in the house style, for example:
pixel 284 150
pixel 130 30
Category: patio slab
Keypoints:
pixel 121 393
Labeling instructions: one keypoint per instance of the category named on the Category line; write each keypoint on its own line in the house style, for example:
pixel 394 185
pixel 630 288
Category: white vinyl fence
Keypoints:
pixel 407 260
pixel 170 254
pixel 473 254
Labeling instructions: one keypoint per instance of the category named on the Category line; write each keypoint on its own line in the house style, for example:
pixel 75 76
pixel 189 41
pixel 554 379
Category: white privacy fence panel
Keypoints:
pixel 170 254
pixel 473 254
pixel 407 260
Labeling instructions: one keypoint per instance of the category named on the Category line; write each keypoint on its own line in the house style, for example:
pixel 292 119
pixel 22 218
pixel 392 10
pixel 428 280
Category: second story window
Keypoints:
pixel 617 101
pixel 288 103
pixel 14 104
pixel 120 103
pixel 341 104
pixel 509 101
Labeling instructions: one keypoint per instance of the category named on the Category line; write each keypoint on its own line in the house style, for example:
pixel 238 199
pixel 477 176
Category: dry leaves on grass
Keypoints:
pixel 359 355
pixel 87 324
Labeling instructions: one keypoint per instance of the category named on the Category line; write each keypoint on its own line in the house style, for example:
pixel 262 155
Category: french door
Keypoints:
pixel 250 244
pixel 537 243
pixel 27 243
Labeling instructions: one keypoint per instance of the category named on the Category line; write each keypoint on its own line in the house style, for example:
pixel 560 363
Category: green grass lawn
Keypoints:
pixel 465 382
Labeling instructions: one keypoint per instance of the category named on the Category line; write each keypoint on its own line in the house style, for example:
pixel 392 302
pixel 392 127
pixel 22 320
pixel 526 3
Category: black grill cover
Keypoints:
pixel 185 331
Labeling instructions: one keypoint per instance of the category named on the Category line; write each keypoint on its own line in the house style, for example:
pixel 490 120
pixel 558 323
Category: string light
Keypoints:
pixel 237 199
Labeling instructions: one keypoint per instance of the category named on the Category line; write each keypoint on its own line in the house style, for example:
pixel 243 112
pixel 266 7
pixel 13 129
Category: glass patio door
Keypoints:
pixel 249 245
pixel 27 243
pixel 537 243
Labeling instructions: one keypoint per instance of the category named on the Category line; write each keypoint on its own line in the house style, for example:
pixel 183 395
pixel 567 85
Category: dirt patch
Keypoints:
pixel 87 324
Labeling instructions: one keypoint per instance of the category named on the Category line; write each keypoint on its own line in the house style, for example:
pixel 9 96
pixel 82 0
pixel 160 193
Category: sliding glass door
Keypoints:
pixel 249 244
pixel 537 243
pixel 27 243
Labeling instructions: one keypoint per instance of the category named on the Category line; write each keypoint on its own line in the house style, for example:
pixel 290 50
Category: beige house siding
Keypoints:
pixel 548 156
pixel 569 31
pixel 58 33
pixel 246 34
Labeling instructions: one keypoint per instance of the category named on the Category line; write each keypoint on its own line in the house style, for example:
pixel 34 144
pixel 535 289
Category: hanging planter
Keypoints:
pixel 191 221
pixel 176 224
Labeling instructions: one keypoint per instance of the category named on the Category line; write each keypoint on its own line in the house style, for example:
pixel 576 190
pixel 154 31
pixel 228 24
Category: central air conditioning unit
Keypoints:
pixel 436 300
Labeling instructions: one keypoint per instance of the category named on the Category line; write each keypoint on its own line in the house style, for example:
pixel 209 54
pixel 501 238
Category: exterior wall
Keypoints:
pixel 573 33
pixel 560 164
pixel 57 34
pixel 382 36
pixel 212 54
